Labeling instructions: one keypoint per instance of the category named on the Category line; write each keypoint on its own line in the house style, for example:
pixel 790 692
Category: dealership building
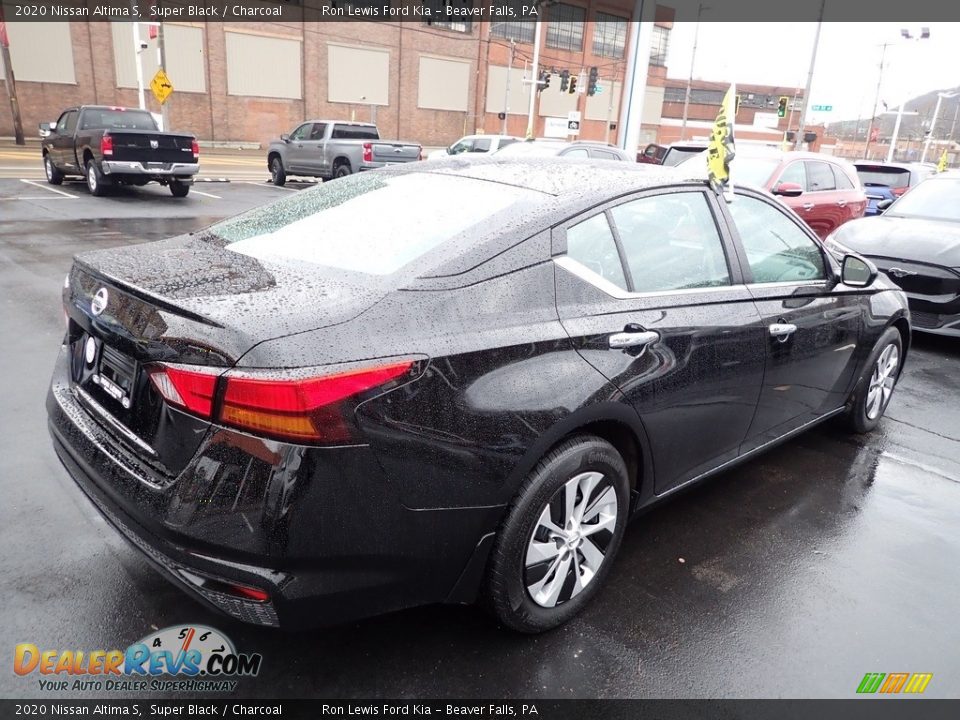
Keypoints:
pixel 428 83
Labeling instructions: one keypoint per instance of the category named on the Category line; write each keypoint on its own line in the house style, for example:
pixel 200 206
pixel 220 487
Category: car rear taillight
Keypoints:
pixel 301 408
pixel 898 191
pixel 196 149
pixel 287 405
pixel 106 145
pixel 368 152
pixel 189 389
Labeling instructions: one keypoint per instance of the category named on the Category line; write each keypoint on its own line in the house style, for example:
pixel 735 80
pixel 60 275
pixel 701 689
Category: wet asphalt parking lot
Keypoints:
pixel 790 576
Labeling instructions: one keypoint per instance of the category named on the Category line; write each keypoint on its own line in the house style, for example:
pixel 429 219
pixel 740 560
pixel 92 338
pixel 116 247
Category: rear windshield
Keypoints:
pixel 354 132
pixel 936 198
pixel 117 120
pixel 370 223
pixel 887 176
pixel 533 149
pixel 675 156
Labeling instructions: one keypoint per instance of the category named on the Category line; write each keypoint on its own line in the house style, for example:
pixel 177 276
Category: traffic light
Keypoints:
pixel 546 79
pixel 592 82
pixel 573 84
pixel 782 106
pixel 543 80
pixel 564 80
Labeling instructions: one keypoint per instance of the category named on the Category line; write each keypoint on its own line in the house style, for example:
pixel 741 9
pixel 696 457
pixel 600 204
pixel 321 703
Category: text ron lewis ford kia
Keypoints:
pixel 429 384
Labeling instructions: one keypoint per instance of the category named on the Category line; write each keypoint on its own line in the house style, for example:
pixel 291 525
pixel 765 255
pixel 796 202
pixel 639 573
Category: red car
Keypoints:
pixel 823 190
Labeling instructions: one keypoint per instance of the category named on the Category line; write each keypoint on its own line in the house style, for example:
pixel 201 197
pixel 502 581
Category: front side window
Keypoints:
pixel 302 132
pixel 576 153
pixel 591 244
pixel 671 242
pixel 794 173
pixel 565 27
pixel 481 145
pixel 777 249
pixel 318 131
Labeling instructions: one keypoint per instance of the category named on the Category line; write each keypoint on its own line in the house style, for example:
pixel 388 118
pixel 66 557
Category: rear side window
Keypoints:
pixel 777 249
pixel 886 176
pixel 107 119
pixel 354 132
pixel 843 182
pixel 819 176
pixel 671 242
pixel 371 222
pixel 604 155
pixel 591 244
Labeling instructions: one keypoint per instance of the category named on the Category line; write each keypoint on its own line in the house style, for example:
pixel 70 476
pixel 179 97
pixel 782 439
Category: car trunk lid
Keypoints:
pixel 185 301
pixel 151 147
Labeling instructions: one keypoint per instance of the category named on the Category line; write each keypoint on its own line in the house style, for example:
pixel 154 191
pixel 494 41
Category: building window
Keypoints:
pixel 609 35
pixel 674 94
pixel 707 97
pixel 521 32
pixel 439 17
pixel 565 27
pixel 659 46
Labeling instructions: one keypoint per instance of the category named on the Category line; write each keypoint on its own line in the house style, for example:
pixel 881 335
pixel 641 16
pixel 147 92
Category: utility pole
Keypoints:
pixel 953 127
pixel 876 101
pixel 506 93
pixel 806 92
pixel 534 80
pixel 10 81
pixel 139 65
pixel 933 123
pixel 693 59
pixel 161 63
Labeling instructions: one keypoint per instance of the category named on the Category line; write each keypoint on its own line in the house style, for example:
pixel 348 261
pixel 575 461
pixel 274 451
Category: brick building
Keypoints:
pixel 252 81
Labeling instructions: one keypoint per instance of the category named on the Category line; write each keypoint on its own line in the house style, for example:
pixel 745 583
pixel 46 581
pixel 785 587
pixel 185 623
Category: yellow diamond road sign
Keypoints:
pixel 161 86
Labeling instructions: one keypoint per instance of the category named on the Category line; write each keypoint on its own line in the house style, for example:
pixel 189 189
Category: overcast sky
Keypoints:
pixel 847 61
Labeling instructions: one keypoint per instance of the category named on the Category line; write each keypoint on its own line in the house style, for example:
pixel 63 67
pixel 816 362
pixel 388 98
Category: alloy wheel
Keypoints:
pixel 91 178
pixel 48 168
pixel 882 380
pixel 569 542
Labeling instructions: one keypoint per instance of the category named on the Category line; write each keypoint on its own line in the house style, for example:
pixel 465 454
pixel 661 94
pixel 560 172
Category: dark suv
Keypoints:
pixel 888 181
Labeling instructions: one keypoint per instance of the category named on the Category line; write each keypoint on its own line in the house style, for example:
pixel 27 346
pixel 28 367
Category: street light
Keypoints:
pixel 693 59
pixel 933 123
pixel 906 35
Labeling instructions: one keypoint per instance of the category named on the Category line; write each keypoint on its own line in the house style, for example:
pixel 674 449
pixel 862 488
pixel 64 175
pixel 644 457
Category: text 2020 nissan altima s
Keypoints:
pixel 440 383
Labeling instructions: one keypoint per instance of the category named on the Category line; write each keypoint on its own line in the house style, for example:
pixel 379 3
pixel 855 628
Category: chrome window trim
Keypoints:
pixel 587 275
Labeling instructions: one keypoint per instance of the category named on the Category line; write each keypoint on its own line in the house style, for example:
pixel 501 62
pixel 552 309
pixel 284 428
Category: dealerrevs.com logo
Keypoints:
pixel 197 657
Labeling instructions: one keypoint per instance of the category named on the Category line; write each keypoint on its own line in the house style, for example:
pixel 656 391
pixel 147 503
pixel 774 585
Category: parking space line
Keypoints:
pixel 44 187
pixel 271 185
pixel 209 195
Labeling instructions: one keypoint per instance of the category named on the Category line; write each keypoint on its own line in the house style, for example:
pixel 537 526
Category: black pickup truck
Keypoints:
pixel 117 146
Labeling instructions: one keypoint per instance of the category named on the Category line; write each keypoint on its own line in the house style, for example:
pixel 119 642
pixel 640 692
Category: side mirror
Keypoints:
pixel 788 189
pixel 884 204
pixel 285 138
pixel 52 125
pixel 858 271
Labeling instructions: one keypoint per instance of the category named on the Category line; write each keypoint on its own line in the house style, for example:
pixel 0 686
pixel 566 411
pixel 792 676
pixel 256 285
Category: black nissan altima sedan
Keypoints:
pixel 916 243
pixel 451 383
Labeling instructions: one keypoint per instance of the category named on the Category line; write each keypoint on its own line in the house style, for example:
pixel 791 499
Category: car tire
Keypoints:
pixel 342 170
pixel 179 189
pixel 95 180
pixel 546 563
pixel 278 176
pixel 872 394
pixel 54 176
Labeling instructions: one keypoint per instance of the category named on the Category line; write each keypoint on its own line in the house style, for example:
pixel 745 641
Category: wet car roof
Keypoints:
pixel 563 176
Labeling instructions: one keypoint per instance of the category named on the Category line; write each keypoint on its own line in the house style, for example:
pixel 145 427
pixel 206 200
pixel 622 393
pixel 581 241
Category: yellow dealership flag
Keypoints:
pixel 942 165
pixel 721 150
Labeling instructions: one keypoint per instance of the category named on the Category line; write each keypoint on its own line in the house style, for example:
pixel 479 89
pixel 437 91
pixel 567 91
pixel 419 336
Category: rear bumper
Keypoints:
pixel 166 170
pixel 319 530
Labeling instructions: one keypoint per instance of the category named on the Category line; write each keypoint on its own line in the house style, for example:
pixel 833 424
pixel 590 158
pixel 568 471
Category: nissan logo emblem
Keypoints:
pixel 99 302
